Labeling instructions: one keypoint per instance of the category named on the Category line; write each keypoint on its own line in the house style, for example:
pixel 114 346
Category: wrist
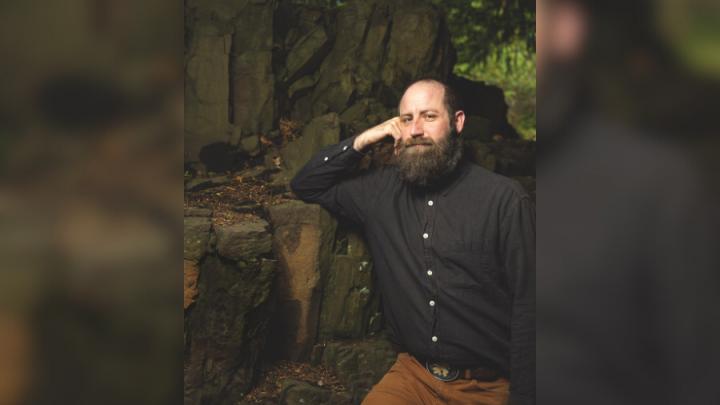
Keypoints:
pixel 358 144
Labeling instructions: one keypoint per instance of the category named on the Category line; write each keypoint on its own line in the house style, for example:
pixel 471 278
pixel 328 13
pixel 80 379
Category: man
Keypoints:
pixel 453 247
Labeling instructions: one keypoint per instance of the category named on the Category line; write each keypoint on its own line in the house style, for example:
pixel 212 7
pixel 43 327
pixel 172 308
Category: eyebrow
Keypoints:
pixel 421 112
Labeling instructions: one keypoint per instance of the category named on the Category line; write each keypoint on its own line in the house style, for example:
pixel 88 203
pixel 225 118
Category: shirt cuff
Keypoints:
pixel 350 142
pixel 341 152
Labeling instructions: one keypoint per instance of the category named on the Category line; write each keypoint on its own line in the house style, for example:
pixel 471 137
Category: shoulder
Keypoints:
pixel 490 183
pixel 378 179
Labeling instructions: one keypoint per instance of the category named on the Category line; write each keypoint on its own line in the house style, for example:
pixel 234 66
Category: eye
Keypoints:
pixel 430 117
pixel 405 120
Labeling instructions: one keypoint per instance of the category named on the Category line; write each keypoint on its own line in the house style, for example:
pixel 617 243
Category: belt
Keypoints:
pixel 446 372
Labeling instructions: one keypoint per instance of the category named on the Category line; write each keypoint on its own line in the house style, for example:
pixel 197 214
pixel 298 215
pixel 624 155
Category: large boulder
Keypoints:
pixel 303 240
pixel 250 238
pixel 196 237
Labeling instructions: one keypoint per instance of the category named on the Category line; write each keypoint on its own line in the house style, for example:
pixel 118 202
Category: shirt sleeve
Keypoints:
pixel 331 179
pixel 518 249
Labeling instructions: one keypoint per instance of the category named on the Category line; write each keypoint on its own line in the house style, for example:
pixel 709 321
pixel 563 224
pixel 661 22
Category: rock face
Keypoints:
pixel 348 294
pixel 196 237
pixel 320 132
pixel 206 90
pixel 229 80
pixel 252 82
pixel 303 239
pixel 359 364
pixel 227 307
pixel 248 239
pixel 250 63
pixel 349 298
pixel 296 392
pixel 190 276
pixel 370 56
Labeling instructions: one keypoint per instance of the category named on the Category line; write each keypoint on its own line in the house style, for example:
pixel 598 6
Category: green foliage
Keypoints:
pixel 513 70
pixel 495 43
pixel 481 28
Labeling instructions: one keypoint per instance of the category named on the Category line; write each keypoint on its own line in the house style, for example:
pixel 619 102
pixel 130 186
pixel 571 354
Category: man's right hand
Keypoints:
pixel 377 133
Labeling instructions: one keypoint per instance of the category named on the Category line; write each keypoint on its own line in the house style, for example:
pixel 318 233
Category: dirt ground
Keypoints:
pixel 267 389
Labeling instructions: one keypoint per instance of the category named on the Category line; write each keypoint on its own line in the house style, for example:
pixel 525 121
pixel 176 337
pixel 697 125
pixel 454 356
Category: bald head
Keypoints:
pixel 437 88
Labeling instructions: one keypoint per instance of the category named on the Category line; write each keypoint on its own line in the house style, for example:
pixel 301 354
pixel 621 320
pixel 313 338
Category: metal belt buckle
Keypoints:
pixel 442 371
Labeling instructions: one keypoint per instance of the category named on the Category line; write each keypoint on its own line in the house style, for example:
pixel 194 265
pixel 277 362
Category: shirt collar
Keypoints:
pixel 456 177
pixel 450 181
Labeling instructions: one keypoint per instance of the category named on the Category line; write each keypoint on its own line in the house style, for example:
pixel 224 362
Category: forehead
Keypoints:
pixel 422 96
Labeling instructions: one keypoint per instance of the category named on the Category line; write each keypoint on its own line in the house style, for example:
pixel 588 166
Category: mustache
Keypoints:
pixel 412 142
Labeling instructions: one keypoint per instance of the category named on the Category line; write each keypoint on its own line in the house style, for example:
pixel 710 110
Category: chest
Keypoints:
pixel 459 225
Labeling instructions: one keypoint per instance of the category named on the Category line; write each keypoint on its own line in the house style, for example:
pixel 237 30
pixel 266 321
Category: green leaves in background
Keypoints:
pixel 495 43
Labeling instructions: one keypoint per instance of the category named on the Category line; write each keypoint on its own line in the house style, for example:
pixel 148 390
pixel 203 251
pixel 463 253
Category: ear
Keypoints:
pixel 459 121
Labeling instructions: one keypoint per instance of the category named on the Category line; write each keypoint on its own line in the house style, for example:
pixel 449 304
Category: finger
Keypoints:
pixel 396 131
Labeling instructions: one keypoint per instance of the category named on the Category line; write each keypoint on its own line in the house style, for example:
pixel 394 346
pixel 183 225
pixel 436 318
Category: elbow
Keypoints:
pixel 294 185
pixel 300 192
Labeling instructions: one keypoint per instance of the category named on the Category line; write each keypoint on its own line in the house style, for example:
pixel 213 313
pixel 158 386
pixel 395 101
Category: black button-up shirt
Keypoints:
pixel 455 263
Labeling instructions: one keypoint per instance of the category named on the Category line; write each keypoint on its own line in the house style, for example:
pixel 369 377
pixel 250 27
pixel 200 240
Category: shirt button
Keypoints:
pixel 432 303
pixel 430 203
pixel 429 272
pixel 434 338
pixel 345 147
pixel 425 236
pixel 326 158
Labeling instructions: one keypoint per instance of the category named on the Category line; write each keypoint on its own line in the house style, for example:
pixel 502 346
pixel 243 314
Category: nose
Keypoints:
pixel 416 129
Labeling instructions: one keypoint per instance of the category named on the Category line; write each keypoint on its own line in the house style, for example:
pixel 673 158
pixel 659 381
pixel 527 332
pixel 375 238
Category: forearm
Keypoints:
pixel 325 170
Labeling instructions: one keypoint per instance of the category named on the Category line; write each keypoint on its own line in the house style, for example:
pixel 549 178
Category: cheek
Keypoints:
pixel 437 131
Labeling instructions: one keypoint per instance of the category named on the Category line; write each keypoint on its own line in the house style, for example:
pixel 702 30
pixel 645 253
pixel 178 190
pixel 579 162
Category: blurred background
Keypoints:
pixel 627 214
pixel 91 121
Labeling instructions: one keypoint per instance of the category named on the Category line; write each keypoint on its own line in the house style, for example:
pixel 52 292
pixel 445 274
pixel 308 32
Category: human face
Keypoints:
pixel 426 151
pixel 424 120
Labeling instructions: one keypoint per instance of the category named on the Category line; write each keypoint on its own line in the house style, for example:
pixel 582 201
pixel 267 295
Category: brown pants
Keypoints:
pixel 409 383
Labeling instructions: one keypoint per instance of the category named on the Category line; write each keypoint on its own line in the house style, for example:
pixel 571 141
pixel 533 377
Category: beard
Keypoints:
pixel 422 162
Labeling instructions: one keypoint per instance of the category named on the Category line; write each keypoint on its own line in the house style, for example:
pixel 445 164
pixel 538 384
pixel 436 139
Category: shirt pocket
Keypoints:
pixel 466 263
